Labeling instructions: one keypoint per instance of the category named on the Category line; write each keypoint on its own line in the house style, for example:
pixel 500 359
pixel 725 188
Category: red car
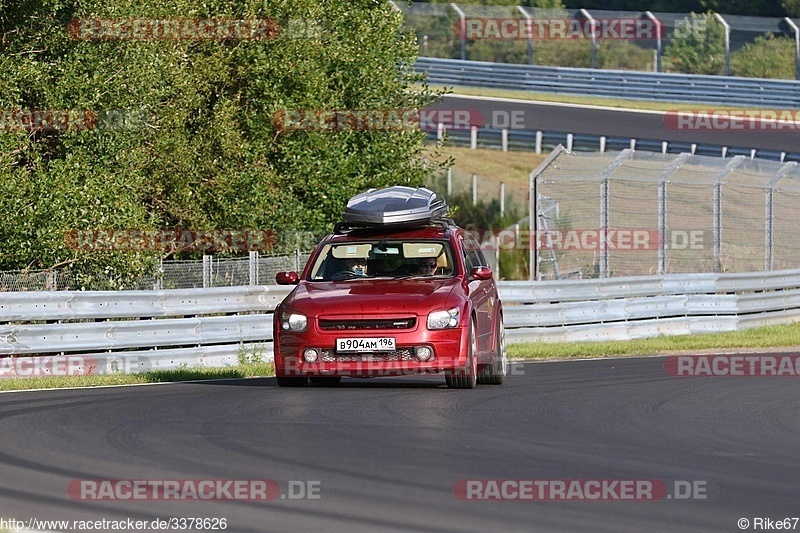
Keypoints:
pixel 396 289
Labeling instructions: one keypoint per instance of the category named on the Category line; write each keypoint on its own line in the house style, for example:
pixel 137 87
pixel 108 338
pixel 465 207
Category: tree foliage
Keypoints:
pixel 202 151
pixel 767 57
pixel 698 46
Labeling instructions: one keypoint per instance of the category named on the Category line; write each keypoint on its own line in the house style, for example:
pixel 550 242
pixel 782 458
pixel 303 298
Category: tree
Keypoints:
pixel 697 47
pixel 767 57
pixel 203 150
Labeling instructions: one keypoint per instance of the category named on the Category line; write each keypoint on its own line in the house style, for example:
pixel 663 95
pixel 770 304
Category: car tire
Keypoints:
pixel 495 372
pixel 467 377
pixel 286 381
pixel 325 381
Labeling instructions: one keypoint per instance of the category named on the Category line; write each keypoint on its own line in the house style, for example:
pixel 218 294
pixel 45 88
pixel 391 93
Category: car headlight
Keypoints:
pixel 443 319
pixel 293 322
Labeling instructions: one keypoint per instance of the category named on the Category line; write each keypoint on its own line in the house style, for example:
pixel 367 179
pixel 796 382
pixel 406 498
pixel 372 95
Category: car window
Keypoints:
pixel 393 258
pixel 473 256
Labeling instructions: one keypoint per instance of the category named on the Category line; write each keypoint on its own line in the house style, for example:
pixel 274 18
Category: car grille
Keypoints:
pixel 383 323
pixel 401 354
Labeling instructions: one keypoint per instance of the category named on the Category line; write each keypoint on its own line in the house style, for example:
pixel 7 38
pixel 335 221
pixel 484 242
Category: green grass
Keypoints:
pixel 584 100
pixel 154 376
pixel 757 338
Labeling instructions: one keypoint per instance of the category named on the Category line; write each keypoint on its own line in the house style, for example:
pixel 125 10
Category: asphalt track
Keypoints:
pixel 613 122
pixel 388 452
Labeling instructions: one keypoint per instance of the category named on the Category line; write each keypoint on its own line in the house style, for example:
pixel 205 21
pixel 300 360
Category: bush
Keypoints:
pixel 767 57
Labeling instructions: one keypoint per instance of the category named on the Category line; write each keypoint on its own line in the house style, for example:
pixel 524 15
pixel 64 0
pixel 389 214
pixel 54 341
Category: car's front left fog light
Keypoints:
pixel 310 355
pixel 423 353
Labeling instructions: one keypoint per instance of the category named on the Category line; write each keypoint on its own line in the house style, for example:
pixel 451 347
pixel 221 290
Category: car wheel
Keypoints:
pixel 325 380
pixel 286 381
pixel 495 372
pixel 466 378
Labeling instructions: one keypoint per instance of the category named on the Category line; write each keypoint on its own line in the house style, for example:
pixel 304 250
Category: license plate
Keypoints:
pixel 365 344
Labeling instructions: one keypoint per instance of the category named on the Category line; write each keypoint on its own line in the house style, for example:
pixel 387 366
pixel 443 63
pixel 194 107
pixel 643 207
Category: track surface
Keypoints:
pixel 388 451
pixel 617 122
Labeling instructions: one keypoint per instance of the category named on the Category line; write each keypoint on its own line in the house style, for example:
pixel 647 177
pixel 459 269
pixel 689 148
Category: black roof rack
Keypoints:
pixel 343 227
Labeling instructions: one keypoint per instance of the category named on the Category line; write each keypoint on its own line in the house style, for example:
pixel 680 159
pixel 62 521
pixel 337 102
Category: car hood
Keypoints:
pixel 370 297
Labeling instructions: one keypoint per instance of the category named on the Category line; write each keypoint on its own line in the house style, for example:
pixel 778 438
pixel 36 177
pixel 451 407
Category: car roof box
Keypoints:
pixel 395 206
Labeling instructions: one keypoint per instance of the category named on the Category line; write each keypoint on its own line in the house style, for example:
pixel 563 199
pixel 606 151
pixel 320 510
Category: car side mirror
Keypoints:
pixel 289 277
pixel 482 273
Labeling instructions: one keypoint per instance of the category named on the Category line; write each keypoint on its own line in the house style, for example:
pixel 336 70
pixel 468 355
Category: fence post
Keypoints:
pixel 602 144
pixel 207 270
pixel 533 211
pixel 717 209
pixel 463 18
pixel 449 181
pixel 504 139
pixel 769 226
pixel 593 30
pixel 605 174
pixel 439 131
pixel 502 199
pixel 570 138
pixel 473 137
pixel 474 189
pixel 254 267
pixel 662 210
pixel 727 43
pixel 538 141
pixel 297 260
pixel 529 29
pixel 657 24
pixel 796 31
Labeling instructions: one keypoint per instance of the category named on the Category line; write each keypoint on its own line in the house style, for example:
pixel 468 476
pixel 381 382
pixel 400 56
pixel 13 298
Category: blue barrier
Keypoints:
pixel 720 90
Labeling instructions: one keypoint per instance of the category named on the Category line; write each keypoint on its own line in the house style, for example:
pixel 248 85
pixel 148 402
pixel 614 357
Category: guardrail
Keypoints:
pixel 133 331
pixel 653 86
pixel 539 141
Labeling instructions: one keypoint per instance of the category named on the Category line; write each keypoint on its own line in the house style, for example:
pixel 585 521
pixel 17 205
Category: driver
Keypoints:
pixel 427 266
pixel 356 265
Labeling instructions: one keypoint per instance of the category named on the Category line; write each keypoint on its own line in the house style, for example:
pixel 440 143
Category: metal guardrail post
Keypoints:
pixel 727 43
pixel 538 142
pixel 502 199
pixel 593 30
pixel 769 226
pixel 533 215
pixel 605 174
pixel 473 137
pixel 207 270
pixel 796 30
pixel 717 208
pixel 529 29
pixel 657 24
pixel 463 17
pixel 662 210
pixel 253 267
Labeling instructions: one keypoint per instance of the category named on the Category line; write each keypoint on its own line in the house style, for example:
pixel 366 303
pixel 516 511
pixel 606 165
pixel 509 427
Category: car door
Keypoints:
pixel 481 292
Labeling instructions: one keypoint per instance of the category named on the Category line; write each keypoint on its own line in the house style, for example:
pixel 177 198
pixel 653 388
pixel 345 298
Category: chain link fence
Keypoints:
pixel 634 213
pixel 501 34
pixel 257 269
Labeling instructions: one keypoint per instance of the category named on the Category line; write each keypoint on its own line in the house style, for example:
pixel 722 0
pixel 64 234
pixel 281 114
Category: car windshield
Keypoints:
pixel 383 258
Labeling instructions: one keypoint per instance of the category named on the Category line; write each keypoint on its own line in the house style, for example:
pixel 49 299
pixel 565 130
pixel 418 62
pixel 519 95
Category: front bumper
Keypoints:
pixel 448 345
